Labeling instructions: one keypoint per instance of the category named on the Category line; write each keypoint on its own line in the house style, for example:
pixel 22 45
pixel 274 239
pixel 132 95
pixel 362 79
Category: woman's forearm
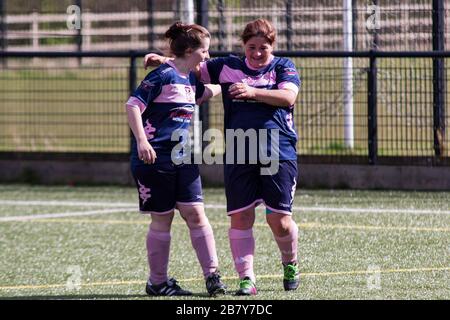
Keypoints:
pixel 277 98
pixel 135 122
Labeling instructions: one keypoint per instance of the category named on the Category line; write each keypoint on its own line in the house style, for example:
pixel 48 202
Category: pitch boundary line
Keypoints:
pixel 133 207
pixel 269 276
pixel 312 225
pixel 61 215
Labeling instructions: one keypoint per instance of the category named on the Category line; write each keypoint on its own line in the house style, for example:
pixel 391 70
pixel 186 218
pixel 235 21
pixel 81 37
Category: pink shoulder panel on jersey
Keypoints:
pixel 288 85
pixel 176 93
pixel 134 102
pixel 229 75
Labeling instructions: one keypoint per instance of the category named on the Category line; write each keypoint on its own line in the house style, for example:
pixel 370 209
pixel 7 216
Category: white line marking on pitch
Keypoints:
pixel 129 206
pixel 66 203
pixel 267 276
pixel 64 214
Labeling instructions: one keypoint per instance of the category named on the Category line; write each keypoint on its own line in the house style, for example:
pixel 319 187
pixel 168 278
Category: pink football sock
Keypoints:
pixel 242 245
pixel 158 248
pixel 288 245
pixel 203 242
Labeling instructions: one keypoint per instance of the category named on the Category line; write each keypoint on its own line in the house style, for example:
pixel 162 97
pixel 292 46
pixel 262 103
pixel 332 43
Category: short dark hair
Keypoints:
pixel 184 36
pixel 259 28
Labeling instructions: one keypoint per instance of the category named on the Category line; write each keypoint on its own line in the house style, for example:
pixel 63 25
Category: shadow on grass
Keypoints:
pixel 99 297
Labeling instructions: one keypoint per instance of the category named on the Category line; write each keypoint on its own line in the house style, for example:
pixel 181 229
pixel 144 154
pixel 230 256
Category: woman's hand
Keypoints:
pixel 154 60
pixel 242 91
pixel 146 152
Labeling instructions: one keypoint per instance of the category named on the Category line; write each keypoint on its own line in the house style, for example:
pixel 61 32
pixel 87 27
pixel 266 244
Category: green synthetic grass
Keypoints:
pixel 343 255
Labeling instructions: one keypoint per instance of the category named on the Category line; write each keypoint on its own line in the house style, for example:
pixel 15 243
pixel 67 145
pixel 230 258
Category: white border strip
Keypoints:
pixel 64 214
pixel 133 206
pixel 67 203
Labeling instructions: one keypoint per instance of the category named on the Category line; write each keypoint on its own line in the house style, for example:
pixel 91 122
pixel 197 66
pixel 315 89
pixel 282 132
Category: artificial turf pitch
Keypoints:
pixel 79 242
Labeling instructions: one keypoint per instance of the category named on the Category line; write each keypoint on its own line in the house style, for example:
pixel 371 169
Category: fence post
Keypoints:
pixel 151 25
pixel 289 29
pixel 79 36
pixel 355 24
pixel 221 33
pixel 439 78
pixel 202 19
pixel 3 32
pixel 86 34
pixel 134 25
pixel 34 31
pixel 372 109
pixel 131 85
pixel 132 73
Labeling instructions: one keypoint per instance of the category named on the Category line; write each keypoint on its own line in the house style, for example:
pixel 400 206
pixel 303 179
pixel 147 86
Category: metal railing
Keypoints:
pixel 400 105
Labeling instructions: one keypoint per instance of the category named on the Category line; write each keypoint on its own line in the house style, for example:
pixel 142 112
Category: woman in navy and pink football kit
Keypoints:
pixel 258 93
pixel 163 104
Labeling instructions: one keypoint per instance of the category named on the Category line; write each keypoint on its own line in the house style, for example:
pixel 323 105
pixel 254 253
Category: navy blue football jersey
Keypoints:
pixel 281 73
pixel 166 99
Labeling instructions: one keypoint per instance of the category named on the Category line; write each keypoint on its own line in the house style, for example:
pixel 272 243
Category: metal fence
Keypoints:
pixel 66 104
pixel 73 110
pixel 301 24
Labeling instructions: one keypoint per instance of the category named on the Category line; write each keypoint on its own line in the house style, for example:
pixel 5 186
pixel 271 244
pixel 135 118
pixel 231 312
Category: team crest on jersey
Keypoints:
pixel 189 93
pixel 290 71
pixel 146 85
pixel 182 114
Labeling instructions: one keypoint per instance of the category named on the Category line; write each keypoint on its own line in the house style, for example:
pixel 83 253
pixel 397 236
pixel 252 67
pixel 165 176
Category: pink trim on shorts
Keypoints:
pixel 278 210
pixel 254 203
pixel 158 213
pixel 190 203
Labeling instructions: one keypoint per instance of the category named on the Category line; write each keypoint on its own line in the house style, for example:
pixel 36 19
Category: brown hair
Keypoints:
pixel 259 28
pixel 184 36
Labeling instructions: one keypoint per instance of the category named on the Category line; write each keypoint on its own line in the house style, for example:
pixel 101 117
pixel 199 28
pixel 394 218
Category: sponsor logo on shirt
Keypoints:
pixel 182 114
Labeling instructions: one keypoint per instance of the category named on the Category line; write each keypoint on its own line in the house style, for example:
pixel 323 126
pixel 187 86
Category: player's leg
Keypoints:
pixel 190 205
pixel 156 189
pixel 242 243
pixel 242 191
pixel 278 194
pixel 158 247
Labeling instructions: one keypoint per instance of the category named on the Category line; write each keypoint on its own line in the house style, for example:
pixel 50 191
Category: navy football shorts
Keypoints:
pixel 245 187
pixel 161 186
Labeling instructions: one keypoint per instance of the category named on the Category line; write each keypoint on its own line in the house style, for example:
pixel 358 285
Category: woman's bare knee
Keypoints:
pixel 161 222
pixel 243 220
pixel 193 215
pixel 279 223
